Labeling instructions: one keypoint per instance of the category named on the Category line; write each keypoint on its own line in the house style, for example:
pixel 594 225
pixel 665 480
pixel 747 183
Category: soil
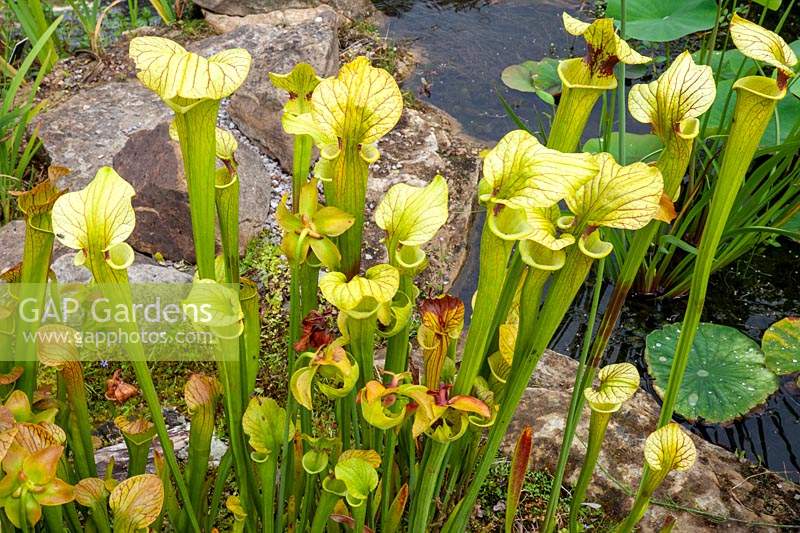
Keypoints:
pixel 85 69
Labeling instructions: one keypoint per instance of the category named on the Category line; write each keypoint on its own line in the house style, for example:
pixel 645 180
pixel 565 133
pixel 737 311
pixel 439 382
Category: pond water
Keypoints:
pixel 465 44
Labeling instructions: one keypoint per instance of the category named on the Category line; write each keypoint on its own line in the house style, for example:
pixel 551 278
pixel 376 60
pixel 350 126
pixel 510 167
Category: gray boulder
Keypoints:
pixel 143 270
pixel 256 107
pixel 719 483
pixel 124 125
pixel 152 163
pixel 351 9
pixel 12 242
pixel 84 132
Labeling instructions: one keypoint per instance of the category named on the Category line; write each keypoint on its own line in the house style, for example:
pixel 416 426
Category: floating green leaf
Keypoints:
pixel 540 77
pixel 725 376
pixel 781 346
pixel 660 21
pixel 726 64
pixel 638 147
pixel 769 4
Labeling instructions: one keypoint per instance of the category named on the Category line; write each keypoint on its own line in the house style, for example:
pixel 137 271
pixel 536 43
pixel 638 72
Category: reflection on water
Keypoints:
pixel 465 45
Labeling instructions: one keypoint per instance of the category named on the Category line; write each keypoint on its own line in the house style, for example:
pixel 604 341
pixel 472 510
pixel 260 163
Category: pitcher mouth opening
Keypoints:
pixel 575 74
pixel 688 128
pixel 761 86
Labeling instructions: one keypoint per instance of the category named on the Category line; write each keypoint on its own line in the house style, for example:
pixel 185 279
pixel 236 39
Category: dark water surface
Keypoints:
pixel 465 46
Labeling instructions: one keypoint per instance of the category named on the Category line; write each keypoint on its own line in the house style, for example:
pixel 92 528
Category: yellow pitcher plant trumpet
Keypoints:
pixel 96 221
pixel 667 449
pixel 624 197
pixel 519 176
pixel 584 79
pixel 362 302
pixel 671 105
pixel 36 205
pixel 349 114
pixel 299 84
pixel 193 86
pixel 615 196
pixel 618 383
pixel 411 216
pixel 763 45
pixel 543 247
pixel 756 98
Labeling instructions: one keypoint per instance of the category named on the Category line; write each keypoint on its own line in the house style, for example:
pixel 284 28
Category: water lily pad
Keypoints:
pixel 726 65
pixel 781 346
pixel 660 21
pixel 540 77
pixel 769 4
pixel 638 147
pixel 725 377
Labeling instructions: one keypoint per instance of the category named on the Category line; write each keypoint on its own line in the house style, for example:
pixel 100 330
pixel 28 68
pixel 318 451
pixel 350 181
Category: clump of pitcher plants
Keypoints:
pixel 414 416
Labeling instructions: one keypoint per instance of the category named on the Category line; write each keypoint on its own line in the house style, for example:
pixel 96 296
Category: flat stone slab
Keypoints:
pixel 308 36
pixel 86 131
pixel 178 435
pixel 284 17
pixel 124 125
pixel 719 483
pixel 348 8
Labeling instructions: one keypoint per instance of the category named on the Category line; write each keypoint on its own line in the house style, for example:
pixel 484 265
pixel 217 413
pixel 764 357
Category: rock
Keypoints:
pixel 12 242
pixel 284 17
pixel 351 9
pixel 718 483
pixel 152 163
pixel 426 142
pixel 179 436
pixel 143 270
pixel 256 107
pixel 86 131
pixel 125 126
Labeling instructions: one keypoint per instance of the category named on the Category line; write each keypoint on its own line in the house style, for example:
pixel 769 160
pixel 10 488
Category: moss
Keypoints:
pixel 489 514
pixel 194 28
pixel 410 99
pixel 363 38
pixel 264 264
